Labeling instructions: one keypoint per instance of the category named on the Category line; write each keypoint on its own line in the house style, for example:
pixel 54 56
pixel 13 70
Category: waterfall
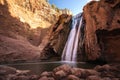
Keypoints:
pixel 71 46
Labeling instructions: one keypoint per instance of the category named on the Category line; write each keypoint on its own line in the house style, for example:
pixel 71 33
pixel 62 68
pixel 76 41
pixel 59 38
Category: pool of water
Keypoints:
pixel 39 67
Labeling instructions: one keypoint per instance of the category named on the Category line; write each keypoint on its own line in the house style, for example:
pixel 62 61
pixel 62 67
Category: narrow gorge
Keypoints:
pixel 40 41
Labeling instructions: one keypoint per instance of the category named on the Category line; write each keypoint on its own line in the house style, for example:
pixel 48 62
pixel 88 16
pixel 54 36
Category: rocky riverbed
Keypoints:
pixel 64 72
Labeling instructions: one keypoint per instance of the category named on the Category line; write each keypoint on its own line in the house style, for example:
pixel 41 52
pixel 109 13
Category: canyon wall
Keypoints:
pixel 102 30
pixel 24 25
pixel 57 37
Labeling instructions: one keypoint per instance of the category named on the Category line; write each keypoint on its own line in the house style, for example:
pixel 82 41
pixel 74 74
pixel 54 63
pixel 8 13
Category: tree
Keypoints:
pixel 47 0
pixel 53 6
pixel 57 9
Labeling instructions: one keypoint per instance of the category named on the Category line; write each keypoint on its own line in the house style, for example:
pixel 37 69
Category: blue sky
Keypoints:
pixel 75 6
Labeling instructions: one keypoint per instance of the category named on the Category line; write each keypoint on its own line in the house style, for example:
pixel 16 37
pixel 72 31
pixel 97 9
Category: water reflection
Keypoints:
pixel 39 67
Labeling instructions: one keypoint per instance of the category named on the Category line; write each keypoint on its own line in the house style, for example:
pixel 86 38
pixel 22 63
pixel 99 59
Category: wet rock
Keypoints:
pixel 72 77
pixel 115 78
pixel 106 78
pixel 23 72
pixel 60 74
pixel 93 78
pixel 44 78
pixel 34 77
pixel 48 74
pixel 19 78
pixel 92 72
pixel 76 71
pixel 105 68
pixel 88 72
pixel 51 78
pixel 98 68
pixel 63 73
pixel 65 68
pixel 107 74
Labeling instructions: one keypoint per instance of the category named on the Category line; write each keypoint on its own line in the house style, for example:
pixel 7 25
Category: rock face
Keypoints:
pixel 14 44
pixel 58 36
pixel 23 26
pixel 102 30
pixel 35 13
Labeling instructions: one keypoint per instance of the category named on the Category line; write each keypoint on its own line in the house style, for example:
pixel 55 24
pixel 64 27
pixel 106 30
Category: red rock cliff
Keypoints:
pixel 23 26
pixel 102 30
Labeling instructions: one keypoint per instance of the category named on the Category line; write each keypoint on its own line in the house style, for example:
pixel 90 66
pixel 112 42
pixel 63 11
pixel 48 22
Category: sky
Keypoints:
pixel 75 6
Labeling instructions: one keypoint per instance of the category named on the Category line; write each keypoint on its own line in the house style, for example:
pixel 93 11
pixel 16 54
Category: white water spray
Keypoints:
pixel 71 46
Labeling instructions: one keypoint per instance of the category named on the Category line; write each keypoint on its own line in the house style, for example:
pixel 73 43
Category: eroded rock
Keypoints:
pixel 64 67
pixel 102 30
pixel 60 74
pixel 73 77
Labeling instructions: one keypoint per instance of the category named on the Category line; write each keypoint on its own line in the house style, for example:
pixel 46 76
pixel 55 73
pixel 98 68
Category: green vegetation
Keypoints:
pixel 58 10
pixel 55 8
pixel 47 0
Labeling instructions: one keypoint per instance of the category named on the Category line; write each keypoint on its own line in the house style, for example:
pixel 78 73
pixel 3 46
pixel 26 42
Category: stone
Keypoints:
pixel 51 78
pixel 22 72
pixel 72 77
pixel 98 68
pixel 60 74
pixel 43 78
pixel 115 78
pixel 48 74
pixel 104 68
pixel 106 78
pixel 34 77
pixel 76 71
pixel 64 67
pixel 19 78
pixel 93 78
pixel 92 72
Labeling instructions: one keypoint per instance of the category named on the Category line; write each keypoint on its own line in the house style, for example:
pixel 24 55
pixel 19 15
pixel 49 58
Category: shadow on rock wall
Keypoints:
pixel 14 38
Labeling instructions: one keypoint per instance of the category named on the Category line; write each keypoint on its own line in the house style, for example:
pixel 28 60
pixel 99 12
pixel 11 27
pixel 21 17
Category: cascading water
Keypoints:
pixel 71 46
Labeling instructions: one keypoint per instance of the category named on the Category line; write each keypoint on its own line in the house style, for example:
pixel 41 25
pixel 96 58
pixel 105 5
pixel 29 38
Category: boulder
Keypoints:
pixel 48 74
pixel 76 71
pixel 44 78
pixel 93 78
pixel 18 78
pixel 60 74
pixel 22 72
pixel 72 77
pixel 103 68
pixel 65 68
pixel 92 72
pixel 106 78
